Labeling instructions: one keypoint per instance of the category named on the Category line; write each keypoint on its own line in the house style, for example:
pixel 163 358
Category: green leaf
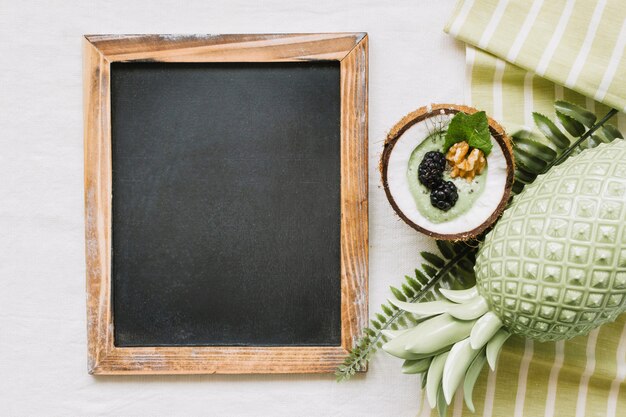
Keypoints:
pixel 526 133
pixel 433 259
pixel 607 133
pixel 612 131
pixel 533 148
pixel 386 309
pixel 472 128
pixel 517 188
pixel 530 161
pixel 430 271
pixel 524 176
pixel 573 126
pixel 423 279
pixel 550 131
pixel 408 291
pixel 398 294
pixel 446 248
pixel 576 112
pixel 413 283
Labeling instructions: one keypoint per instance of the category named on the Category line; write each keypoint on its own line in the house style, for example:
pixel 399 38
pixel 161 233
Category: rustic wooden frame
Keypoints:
pixel 99 51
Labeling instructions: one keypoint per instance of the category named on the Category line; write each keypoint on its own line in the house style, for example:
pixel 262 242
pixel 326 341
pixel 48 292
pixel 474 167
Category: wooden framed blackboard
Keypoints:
pixel 225 202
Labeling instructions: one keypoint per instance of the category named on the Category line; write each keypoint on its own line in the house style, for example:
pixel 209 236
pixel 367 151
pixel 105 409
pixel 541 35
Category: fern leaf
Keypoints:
pixel 421 277
pixel 433 259
pixel 550 131
pixel 534 149
pixel 530 161
pixel 397 293
pixel 573 126
pixel 407 291
pixel 413 283
pixel 524 176
pixel 576 112
pixel 612 131
pixel 446 248
pixel 430 271
pixel 386 310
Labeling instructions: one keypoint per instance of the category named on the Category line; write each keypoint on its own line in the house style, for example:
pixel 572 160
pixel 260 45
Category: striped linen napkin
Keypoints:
pixel 522 56
pixel 575 43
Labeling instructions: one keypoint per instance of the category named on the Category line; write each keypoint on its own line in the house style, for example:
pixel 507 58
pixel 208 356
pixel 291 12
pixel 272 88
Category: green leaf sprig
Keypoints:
pixel 471 128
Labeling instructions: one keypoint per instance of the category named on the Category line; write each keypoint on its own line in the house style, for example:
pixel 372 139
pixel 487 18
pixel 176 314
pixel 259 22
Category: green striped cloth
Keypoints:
pixel 576 44
pixel 578 49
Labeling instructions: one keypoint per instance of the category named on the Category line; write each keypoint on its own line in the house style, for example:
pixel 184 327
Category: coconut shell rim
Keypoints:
pixel 425 112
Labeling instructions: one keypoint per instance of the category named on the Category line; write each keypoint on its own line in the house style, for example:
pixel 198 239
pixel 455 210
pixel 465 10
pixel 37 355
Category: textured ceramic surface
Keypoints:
pixel 554 266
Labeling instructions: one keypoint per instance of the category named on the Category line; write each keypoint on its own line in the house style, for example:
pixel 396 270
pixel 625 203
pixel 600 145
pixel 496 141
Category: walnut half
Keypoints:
pixel 464 165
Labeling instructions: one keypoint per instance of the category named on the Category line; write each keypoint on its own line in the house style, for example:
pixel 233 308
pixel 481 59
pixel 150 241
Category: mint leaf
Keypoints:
pixel 472 128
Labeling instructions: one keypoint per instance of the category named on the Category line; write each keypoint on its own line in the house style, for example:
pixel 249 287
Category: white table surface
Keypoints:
pixel 43 365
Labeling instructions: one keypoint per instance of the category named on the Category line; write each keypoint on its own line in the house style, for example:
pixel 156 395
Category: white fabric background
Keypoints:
pixel 43 370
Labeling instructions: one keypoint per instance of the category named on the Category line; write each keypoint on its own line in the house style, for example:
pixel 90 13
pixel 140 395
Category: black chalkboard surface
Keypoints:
pixel 226 204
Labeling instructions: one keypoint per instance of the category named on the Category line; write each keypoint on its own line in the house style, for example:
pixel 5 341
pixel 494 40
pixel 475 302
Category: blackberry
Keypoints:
pixel 444 197
pixel 431 168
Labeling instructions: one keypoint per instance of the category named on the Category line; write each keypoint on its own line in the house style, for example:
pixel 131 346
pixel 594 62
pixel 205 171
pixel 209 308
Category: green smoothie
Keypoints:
pixel 468 192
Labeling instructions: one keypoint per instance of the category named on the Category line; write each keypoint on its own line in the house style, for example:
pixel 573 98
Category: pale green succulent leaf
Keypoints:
pixel 397 346
pixel 442 331
pixel 431 308
pixel 494 346
pixel 392 334
pixel 442 405
pixel 471 310
pixel 471 377
pixel 460 296
pixel 424 379
pixel 416 366
pixel 460 358
pixel 433 382
pixel 484 329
